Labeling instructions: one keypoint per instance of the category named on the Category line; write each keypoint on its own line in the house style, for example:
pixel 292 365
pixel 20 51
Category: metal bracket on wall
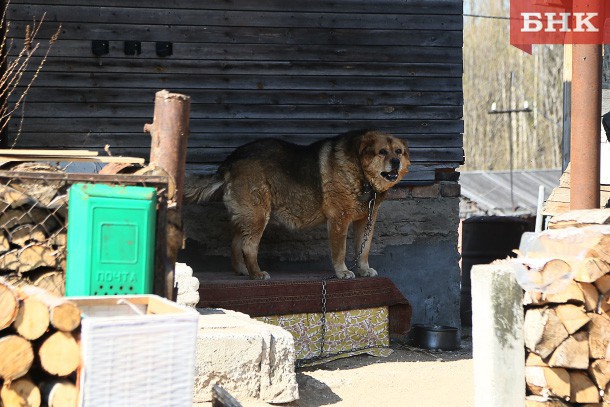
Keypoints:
pixel 132 47
pixel 164 49
pixel 100 47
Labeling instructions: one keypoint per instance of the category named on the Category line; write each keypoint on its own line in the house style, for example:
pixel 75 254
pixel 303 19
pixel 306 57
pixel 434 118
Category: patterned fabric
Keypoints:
pixel 347 333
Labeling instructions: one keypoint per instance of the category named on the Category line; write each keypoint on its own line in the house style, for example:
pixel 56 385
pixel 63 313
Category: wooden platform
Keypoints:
pixel 301 292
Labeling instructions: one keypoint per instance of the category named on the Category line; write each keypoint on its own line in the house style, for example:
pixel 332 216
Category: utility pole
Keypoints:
pixel 510 111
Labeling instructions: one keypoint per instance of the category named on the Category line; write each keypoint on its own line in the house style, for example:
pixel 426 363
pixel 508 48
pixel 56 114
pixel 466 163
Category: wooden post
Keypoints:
pixel 169 132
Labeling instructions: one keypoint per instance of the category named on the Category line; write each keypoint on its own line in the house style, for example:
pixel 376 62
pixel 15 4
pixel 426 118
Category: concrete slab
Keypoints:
pixel 246 357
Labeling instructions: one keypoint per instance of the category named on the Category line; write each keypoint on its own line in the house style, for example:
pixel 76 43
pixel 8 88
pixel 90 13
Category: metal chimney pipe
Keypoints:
pixel 585 126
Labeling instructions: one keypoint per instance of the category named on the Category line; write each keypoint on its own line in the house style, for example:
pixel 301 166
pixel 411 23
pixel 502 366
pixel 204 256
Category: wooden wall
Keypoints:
pixel 298 70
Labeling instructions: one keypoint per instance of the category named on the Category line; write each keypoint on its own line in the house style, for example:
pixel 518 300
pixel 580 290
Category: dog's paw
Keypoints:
pixel 367 271
pixel 345 274
pixel 263 275
pixel 242 271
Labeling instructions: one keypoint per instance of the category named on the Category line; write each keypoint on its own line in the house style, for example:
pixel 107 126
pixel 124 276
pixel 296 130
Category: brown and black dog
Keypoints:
pixel 331 180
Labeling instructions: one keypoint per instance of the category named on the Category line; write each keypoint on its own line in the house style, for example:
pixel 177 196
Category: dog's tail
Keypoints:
pixel 200 188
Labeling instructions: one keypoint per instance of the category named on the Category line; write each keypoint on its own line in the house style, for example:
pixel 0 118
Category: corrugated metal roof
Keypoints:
pixel 490 190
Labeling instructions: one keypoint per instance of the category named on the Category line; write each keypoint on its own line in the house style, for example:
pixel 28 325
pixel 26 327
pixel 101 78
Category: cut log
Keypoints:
pixel 534 360
pixel 570 294
pixel 64 314
pixel 603 283
pixel 573 353
pixel 20 393
pixel 547 380
pixel 5 245
pixel 9 304
pixel 544 331
pixel 539 401
pixel 572 316
pixel 17 357
pixel 59 354
pixel 599 335
pixel 58 239
pixel 53 281
pixel 600 372
pixel 546 275
pixel 32 319
pixel 59 206
pixel 573 245
pixel 16 280
pixel 591 297
pixel 13 198
pixel 10 260
pixel 29 216
pixel 580 218
pixel 42 191
pixel 25 234
pixel 582 388
pixel 590 269
pixel 30 258
pixel 59 393
pixel 35 256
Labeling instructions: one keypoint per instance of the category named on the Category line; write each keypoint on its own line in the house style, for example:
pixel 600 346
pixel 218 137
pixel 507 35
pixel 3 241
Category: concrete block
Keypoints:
pixel 497 336
pixel 188 286
pixel 246 357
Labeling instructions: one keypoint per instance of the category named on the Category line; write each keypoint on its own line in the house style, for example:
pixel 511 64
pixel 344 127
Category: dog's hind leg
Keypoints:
pixel 237 254
pixel 250 241
pixel 249 224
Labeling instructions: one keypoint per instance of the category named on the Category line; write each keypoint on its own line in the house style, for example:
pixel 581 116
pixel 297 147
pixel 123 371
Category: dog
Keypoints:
pixel 333 180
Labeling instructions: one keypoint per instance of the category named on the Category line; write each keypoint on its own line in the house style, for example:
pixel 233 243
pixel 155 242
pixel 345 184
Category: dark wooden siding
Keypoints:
pixel 299 70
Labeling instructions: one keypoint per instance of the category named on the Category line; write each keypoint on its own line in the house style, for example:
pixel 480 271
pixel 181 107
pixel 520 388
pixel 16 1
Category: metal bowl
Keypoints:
pixel 436 337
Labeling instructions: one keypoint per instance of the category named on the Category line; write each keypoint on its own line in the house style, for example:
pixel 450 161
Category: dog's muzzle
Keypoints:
pixel 392 175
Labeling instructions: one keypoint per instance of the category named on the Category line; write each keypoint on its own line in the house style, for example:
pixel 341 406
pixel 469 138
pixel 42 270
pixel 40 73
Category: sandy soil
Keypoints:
pixel 408 377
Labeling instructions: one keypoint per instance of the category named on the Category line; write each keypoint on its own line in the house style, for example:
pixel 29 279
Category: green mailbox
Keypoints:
pixel 111 240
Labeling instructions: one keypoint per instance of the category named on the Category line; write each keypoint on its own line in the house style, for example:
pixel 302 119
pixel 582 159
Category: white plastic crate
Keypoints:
pixel 137 351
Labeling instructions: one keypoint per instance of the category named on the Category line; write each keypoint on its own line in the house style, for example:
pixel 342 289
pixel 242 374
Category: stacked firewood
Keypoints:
pixel 567 330
pixel 32 230
pixel 39 347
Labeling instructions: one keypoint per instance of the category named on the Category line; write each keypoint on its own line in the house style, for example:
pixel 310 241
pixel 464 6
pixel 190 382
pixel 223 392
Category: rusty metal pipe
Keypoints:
pixel 585 126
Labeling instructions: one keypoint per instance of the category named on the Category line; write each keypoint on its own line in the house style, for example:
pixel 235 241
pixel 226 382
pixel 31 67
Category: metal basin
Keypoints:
pixel 436 337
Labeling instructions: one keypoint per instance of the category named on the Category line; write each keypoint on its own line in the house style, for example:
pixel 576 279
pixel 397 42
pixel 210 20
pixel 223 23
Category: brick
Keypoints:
pixel 397 193
pixel 430 191
pixel 450 189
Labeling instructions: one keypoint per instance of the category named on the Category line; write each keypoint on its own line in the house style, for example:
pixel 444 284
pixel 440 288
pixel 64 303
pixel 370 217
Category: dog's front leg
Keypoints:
pixel 337 235
pixel 364 269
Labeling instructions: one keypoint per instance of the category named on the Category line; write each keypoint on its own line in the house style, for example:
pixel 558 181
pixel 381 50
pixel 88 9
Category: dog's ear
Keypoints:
pixel 406 149
pixel 367 145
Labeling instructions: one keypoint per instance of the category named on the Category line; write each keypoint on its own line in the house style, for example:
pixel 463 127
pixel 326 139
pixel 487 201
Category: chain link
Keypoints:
pixel 367 231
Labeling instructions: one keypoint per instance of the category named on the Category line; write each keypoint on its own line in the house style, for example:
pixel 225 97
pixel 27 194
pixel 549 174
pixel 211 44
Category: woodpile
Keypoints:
pixel 32 228
pixel 39 347
pixel 567 333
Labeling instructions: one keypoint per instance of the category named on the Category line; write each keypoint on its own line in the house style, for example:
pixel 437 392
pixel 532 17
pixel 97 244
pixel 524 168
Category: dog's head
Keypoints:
pixel 384 159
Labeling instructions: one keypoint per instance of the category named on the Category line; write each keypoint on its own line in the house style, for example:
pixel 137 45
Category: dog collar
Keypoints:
pixel 367 192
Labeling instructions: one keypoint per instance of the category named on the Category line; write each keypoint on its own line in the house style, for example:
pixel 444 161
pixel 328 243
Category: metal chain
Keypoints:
pixel 367 231
pixel 323 320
